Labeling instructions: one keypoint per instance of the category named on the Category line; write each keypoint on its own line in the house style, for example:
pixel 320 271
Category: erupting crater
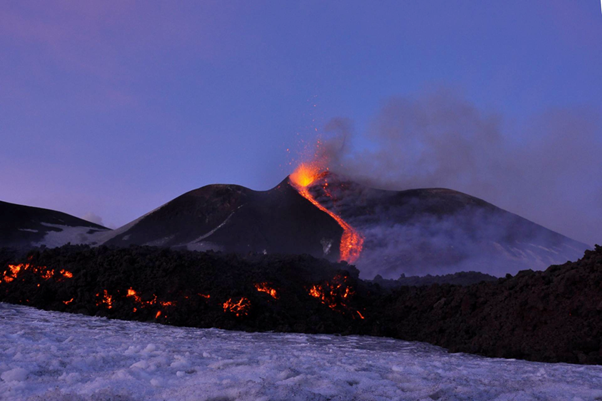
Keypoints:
pixel 351 241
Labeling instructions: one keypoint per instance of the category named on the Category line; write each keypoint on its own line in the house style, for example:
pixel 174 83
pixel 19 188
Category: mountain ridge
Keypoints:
pixel 416 231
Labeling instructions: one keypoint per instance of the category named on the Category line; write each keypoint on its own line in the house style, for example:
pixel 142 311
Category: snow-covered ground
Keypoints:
pixel 57 356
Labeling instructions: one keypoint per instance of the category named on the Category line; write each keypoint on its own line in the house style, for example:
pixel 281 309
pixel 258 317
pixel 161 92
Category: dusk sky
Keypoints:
pixel 110 109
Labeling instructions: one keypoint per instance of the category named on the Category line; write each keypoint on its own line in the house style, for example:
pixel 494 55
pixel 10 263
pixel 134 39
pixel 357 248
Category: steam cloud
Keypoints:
pixel 549 172
pixel 93 218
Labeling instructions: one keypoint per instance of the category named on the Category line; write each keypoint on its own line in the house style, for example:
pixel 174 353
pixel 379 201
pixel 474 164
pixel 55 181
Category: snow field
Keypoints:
pixel 57 356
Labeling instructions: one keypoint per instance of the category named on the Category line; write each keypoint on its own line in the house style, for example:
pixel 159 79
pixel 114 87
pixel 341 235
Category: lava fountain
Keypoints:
pixel 351 241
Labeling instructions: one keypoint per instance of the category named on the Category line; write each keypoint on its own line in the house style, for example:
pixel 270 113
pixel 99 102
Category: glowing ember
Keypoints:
pixel 138 299
pixel 132 294
pixel 351 241
pixel 240 308
pixel 334 294
pixel 68 302
pixel 66 274
pixel 205 296
pixel 106 299
pixel 264 287
pixel 46 274
pixel 14 271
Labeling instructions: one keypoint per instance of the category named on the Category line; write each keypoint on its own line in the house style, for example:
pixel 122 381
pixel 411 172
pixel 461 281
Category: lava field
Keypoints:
pixel 553 315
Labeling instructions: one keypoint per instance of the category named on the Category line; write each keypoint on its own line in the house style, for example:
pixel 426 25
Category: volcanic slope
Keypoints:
pixel 233 218
pixel 24 227
pixel 416 232
pixel 439 231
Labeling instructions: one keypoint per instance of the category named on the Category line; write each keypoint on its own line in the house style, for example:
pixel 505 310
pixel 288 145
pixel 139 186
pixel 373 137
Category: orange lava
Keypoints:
pixel 335 294
pixel 132 294
pixel 143 304
pixel 264 287
pixel 240 308
pixel 45 273
pixel 14 270
pixel 106 299
pixel 66 273
pixel 351 241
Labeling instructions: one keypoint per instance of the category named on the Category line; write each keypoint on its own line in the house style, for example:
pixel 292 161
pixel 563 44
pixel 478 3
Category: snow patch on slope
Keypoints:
pixel 67 234
pixel 30 230
pixel 200 245
pixel 58 356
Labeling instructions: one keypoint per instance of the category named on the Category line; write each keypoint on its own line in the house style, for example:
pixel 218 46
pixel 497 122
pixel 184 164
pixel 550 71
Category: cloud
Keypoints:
pixel 93 218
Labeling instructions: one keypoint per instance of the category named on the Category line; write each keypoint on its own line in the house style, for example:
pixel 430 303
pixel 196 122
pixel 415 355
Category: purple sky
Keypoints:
pixel 115 107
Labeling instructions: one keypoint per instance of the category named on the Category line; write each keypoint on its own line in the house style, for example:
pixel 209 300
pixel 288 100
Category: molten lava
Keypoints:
pixel 240 308
pixel 46 274
pixel 143 304
pixel 351 241
pixel 66 273
pixel 335 294
pixel 106 299
pixel 264 287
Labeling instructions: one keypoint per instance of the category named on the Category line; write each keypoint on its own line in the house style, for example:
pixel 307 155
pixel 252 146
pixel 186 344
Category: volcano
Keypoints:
pixel 233 218
pixel 389 233
pixel 23 227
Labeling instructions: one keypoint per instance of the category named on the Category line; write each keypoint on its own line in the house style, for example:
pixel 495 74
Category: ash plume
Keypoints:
pixel 547 170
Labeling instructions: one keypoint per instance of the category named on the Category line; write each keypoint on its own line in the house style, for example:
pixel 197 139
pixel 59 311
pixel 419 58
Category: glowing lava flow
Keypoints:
pixel 351 241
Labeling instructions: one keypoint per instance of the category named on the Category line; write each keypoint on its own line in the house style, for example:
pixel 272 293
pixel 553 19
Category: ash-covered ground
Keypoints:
pixel 552 316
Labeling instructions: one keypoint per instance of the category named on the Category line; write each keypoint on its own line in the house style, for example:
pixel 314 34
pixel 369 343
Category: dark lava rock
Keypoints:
pixel 460 278
pixel 553 315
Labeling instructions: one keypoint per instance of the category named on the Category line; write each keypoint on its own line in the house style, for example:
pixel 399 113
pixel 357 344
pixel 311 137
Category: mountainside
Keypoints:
pixel 232 218
pixel 440 231
pixel 416 232
pixel 24 227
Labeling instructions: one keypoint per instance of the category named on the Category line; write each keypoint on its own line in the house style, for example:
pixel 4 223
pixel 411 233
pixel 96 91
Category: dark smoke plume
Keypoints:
pixel 548 171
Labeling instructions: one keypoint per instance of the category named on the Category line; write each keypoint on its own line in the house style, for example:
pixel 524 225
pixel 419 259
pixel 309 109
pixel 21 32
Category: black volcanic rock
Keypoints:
pixel 23 227
pixel 460 278
pixel 553 315
pixel 232 218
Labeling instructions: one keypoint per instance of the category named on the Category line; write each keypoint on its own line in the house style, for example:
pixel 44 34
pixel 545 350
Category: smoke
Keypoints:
pixel 546 170
pixel 93 218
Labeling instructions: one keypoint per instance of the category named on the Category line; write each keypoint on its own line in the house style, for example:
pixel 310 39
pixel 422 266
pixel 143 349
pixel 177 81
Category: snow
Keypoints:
pixel 57 356
pixel 16 374
pixel 74 235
